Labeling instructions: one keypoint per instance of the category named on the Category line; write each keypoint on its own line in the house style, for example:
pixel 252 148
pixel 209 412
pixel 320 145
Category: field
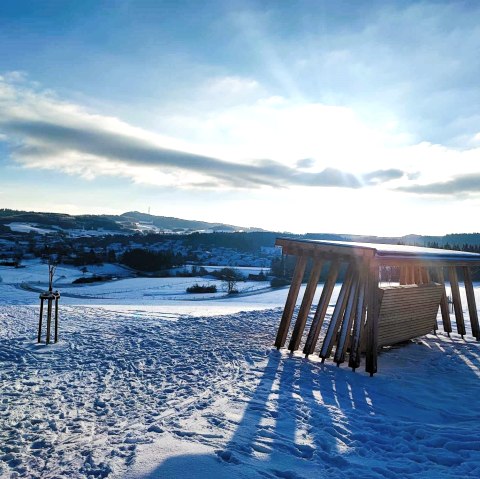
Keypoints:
pixel 147 381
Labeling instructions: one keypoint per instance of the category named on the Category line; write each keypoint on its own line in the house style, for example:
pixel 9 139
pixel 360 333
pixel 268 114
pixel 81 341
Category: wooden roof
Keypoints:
pixel 381 253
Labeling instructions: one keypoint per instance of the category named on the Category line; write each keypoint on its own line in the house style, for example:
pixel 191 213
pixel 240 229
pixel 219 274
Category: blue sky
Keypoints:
pixel 346 116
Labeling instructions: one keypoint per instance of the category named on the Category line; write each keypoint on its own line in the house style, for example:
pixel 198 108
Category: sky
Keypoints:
pixel 308 116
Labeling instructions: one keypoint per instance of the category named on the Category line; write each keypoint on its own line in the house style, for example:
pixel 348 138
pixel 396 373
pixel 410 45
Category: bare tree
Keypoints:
pixel 51 271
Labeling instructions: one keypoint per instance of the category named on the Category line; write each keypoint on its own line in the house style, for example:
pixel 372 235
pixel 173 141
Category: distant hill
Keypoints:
pixel 177 224
pixel 60 220
pixel 130 221
pixel 134 221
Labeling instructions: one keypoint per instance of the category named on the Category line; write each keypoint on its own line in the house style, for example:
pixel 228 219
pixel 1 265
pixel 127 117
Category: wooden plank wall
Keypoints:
pixel 366 317
pixel 407 312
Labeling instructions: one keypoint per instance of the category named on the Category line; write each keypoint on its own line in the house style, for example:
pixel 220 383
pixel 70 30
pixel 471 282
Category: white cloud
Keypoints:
pixel 251 145
pixel 51 134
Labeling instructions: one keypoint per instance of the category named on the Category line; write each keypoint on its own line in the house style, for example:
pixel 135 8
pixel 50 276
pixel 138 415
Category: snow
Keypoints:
pixel 28 228
pixel 147 383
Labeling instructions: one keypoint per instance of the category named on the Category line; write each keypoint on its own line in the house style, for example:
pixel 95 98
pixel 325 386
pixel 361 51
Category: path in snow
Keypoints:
pixel 79 408
pixel 151 395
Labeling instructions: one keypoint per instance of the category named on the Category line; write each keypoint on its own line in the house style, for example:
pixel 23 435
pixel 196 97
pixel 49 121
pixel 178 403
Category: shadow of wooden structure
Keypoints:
pixel 368 315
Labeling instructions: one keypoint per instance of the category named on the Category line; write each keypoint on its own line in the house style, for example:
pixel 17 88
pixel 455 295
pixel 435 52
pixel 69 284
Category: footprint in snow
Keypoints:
pixel 227 456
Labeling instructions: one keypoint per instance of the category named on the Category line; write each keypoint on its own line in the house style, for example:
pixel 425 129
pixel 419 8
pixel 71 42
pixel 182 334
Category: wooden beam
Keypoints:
pixel 305 306
pixel 337 315
pixel 472 306
pixel 410 275
pixel 425 276
pixel 457 302
pixel 49 319
pixel 447 324
pixel 321 310
pixel 430 262
pixel 346 325
pixel 354 359
pixel 373 306
pixel 56 317
pixel 417 275
pixel 290 246
pixel 40 319
pixel 291 301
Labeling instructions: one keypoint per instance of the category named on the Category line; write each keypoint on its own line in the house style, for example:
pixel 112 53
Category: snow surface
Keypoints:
pixel 28 227
pixel 146 385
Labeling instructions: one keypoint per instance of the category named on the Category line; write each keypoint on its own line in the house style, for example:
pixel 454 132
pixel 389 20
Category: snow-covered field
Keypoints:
pixel 147 382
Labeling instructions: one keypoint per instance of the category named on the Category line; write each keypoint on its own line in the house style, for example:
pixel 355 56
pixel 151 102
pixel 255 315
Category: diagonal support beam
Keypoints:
pixel 305 306
pixel 291 301
pixel 321 310
pixel 337 315
pixel 354 359
pixel 373 309
pixel 457 301
pixel 472 306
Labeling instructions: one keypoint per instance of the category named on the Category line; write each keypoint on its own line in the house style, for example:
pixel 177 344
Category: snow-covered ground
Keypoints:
pixel 147 383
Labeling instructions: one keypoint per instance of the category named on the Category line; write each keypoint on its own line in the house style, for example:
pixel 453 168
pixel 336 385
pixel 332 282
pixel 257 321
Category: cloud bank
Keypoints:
pixel 459 186
pixel 44 132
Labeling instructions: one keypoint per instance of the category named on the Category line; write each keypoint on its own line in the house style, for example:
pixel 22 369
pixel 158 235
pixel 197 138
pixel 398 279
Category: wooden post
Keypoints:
pixel 321 310
pixel 457 302
pixel 354 360
pixel 57 297
pixel 49 319
pixel 425 276
pixel 291 301
pixel 403 275
pixel 417 274
pixel 374 300
pixel 447 324
pixel 306 305
pixel 337 315
pixel 346 326
pixel 410 275
pixel 472 306
pixel 40 319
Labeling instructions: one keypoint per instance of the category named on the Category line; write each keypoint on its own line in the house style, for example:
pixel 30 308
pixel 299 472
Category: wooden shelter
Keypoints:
pixel 369 314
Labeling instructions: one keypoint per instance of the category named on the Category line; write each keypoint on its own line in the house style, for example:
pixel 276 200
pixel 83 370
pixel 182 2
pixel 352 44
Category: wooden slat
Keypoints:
pixel 409 330
pixel 426 275
pixel 354 359
pixel 305 306
pixel 291 301
pixel 393 315
pixel 40 319
pixel 399 306
pixel 56 319
pixel 374 300
pixel 447 324
pixel 412 316
pixel 321 310
pixel 395 303
pixel 457 301
pixel 49 320
pixel 337 315
pixel 346 325
pixel 289 245
pixel 418 276
pixel 472 306
pixel 403 275
pixel 410 275
pixel 404 323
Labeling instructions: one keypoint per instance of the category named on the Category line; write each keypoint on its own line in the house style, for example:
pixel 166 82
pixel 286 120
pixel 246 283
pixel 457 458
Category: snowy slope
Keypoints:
pixel 161 387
